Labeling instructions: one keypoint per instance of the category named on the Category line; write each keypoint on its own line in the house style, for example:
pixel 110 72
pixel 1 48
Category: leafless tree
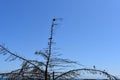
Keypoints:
pixel 56 68
pixel 53 67
pixel 28 66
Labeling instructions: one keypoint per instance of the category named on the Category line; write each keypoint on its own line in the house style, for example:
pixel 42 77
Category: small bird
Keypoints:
pixel 94 67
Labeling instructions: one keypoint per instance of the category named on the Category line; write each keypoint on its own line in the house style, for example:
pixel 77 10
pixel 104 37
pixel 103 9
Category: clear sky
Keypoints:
pixel 89 32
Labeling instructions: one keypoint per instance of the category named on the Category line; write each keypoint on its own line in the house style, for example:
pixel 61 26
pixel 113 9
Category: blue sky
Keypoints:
pixel 89 32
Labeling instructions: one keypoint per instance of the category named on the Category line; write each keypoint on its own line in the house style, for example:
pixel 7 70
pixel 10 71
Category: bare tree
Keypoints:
pixel 33 68
pixel 53 67
pixel 27 67
pixel 52 61
pixel 76 73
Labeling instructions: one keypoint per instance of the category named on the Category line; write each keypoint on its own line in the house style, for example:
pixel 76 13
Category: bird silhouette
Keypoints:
pixel 94 67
